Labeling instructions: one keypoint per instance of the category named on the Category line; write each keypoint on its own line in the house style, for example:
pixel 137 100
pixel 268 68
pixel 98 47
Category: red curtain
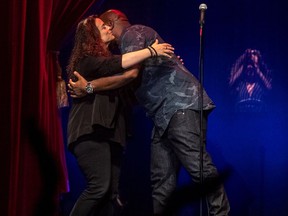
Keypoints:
pixel 31 133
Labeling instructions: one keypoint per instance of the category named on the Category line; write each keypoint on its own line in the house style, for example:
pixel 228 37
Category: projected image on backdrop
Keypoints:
pixel 250 80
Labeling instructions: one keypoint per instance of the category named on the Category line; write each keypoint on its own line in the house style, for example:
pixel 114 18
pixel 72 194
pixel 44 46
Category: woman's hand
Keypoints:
pixel 163 49
pixel 181 60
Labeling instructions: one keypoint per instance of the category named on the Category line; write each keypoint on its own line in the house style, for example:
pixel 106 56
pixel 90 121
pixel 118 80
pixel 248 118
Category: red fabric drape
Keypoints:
pixel 33 31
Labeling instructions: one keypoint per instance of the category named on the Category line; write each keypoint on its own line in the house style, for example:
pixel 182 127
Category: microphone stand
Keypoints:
pixel 201 78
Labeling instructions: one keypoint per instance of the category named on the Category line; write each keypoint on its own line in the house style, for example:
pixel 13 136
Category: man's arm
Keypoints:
pixel 78 89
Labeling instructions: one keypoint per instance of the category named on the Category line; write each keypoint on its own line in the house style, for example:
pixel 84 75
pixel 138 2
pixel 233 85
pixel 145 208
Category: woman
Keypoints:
pixel 250 80
pixel 96 126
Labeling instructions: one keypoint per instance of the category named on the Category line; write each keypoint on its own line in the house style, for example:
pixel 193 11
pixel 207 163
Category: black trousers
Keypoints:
pixel 100 163
pixel 180 145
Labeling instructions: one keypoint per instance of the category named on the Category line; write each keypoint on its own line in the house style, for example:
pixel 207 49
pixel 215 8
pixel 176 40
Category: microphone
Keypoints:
pixel 202 9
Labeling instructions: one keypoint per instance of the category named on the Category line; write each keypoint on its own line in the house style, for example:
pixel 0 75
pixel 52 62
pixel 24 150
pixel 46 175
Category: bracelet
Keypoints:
pixel 156 54
pixel 151 53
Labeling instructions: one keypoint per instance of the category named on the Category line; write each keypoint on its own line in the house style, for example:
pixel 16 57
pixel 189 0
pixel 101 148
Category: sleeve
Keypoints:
pixel 92 67
pixel 134 39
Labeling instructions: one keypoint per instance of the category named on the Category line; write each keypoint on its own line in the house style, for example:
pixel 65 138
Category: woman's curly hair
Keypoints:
pixel 87 42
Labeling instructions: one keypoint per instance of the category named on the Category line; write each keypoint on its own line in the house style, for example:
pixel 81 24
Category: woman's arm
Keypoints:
pixel 262 77
pixel 132 58
pixel 92 67
pixel 235 76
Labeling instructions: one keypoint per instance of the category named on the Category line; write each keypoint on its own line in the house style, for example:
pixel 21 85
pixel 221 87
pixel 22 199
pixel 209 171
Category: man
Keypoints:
pixel 171 97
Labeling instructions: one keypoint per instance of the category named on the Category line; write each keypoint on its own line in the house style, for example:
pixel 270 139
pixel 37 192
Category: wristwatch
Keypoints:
pixel 89 88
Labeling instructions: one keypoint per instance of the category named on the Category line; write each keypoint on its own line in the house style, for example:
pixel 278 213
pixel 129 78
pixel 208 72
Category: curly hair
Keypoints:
pixel 87 42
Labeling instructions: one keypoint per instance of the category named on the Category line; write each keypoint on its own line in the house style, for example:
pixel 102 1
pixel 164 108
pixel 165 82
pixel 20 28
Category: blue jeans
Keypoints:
pixel 180 145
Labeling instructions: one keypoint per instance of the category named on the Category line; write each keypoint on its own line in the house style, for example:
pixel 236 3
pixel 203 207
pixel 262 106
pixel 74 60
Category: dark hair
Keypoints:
pixel 87 42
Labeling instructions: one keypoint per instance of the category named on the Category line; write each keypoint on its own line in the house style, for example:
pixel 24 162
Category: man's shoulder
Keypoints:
pixel 140 27
pixel 138 31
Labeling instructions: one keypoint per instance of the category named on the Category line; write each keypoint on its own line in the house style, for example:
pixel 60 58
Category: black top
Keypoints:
pixel 100 114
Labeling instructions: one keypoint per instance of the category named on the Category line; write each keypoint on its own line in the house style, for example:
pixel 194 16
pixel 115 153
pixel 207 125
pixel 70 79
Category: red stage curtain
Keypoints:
pixel 32 32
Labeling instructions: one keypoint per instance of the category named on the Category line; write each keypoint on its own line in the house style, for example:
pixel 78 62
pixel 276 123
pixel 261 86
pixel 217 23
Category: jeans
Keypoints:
pixel 100 162
pixel 180 145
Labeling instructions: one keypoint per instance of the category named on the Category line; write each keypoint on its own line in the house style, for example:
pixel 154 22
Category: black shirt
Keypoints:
pixel 100 114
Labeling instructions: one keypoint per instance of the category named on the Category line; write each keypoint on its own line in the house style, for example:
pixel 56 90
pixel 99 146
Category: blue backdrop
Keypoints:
pixel 254 145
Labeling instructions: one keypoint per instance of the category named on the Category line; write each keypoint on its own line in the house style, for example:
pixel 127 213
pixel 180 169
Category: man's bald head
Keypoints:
pixel 117 20
pixel 113 15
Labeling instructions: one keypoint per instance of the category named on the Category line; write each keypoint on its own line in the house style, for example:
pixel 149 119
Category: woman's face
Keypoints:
pixel 105 32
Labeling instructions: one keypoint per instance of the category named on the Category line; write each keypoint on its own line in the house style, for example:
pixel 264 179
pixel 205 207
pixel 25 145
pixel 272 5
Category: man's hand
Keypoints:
pixel 77 89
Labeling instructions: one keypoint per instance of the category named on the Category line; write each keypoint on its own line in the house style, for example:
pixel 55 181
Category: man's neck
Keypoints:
pixel 120 30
